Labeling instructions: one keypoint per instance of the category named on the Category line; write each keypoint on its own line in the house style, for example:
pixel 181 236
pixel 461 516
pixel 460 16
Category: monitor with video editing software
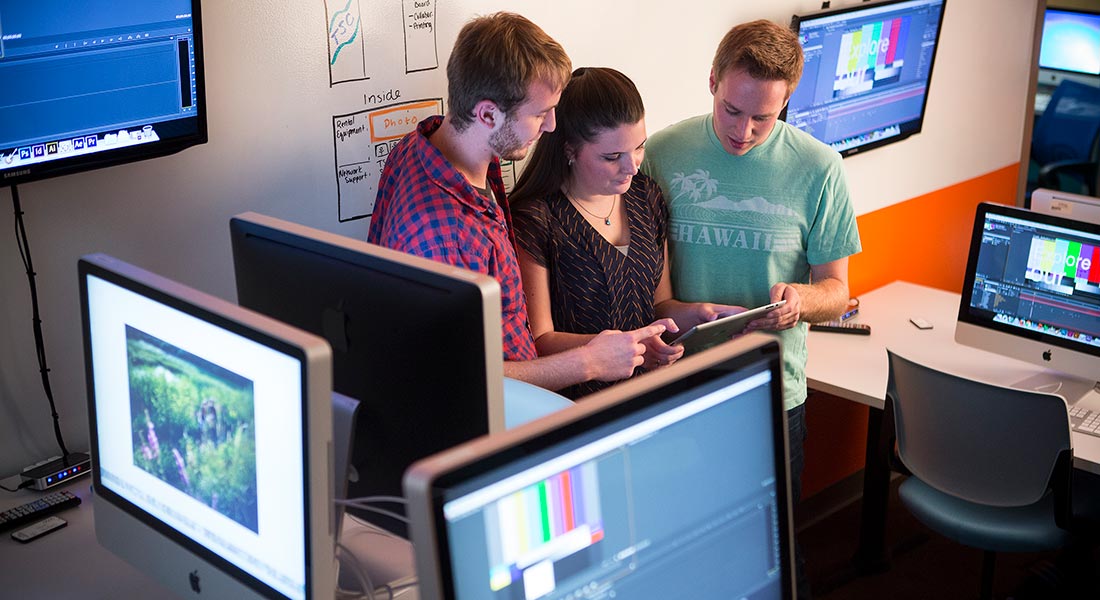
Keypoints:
pixel 211 436
pixel 673 484
pixel 1032 292
pixel 1070 47
pixel 97 83
pixel 416 341
pixel 867 72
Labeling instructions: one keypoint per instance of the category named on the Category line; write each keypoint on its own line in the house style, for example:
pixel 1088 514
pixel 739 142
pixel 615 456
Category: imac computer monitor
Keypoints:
pixel 97 83
pixel 211 435
pixel 417 342
pixel 1070 47
pixel 673 484
pixel 867 71
pixel 1065 204
pixel 1032 292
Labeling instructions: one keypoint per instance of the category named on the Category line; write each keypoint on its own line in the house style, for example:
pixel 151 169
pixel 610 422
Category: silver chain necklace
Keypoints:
pixel 606 219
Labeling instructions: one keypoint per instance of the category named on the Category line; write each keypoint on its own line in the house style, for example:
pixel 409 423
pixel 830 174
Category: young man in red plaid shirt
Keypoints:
pixel 442 197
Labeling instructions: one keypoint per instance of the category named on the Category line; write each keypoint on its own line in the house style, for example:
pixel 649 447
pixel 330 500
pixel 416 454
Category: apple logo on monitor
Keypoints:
pixel 1046 355
pixel 193 577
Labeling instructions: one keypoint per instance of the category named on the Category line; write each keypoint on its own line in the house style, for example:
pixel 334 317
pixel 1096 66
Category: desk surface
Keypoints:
pixel 855 367
pixel 70 563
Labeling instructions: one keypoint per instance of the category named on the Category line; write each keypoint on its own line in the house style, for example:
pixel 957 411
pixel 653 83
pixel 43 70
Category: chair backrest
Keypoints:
pixel 1069 126
pixel 978 441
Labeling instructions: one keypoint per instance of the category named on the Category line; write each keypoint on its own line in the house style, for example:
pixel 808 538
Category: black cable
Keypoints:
pixel 39 345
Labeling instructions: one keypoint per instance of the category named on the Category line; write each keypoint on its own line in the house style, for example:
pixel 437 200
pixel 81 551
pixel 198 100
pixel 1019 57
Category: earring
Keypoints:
pixel 570 161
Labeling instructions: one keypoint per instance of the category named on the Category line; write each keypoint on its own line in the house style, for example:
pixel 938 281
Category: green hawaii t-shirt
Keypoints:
pixel 740 224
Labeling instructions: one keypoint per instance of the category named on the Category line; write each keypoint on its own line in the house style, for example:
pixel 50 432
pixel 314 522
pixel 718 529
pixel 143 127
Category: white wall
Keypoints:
pixel 271 149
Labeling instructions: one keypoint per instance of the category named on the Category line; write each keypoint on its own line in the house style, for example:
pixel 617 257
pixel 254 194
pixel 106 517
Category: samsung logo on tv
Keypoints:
pixel 17 173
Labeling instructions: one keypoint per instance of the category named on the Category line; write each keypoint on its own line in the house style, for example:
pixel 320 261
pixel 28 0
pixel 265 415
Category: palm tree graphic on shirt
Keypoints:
pixel 701 190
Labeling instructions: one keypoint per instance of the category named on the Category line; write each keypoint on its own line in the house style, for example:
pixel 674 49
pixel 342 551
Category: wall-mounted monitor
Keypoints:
pixel 867 72
pixel 1032 292
pixel 671 485
pixel 97 83
pixel 1070 47
pixel 211 438
pixel 416 341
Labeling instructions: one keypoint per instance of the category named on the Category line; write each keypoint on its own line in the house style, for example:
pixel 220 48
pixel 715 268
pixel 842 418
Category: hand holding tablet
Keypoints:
pixel 722 328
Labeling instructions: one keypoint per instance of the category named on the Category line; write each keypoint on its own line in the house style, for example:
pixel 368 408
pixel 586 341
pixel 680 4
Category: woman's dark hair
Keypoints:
pixel 595 99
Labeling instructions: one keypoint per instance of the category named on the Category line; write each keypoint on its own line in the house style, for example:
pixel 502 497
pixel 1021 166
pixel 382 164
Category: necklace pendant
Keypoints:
pixel 607 221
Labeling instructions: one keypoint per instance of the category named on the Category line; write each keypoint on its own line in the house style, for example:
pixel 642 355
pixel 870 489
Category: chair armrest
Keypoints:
pixel 1061 484
pixel 1048 173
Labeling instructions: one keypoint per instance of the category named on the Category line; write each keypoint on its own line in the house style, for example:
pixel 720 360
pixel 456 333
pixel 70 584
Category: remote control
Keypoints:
pixel 35 510
pixel 838 327
pixel 39 529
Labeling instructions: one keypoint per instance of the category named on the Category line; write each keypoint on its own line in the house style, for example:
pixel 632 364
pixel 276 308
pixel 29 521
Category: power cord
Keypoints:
pixel 346 558
pixel 366 503
pixel 39 344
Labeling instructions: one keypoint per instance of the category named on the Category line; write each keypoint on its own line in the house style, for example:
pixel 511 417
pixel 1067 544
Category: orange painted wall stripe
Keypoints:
pixel 925 241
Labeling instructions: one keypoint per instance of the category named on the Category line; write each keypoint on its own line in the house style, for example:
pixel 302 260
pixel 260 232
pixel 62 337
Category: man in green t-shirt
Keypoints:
pixel 759 211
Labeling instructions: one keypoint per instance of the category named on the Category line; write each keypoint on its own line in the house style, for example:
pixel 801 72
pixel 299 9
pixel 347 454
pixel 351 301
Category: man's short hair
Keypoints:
pixel 496 58
pixel 763 49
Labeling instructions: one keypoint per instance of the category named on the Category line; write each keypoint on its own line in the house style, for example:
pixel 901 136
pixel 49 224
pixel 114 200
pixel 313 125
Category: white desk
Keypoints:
pixel 69 563
pixel 855 367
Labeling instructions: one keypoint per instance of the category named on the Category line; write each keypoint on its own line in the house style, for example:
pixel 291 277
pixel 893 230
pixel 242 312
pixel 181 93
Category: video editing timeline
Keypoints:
pixel 865 78
pixel 616 518
pixel 1038 278
pixel 117 81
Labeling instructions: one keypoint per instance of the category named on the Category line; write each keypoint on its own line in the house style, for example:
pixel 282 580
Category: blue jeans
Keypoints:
pixel 796 435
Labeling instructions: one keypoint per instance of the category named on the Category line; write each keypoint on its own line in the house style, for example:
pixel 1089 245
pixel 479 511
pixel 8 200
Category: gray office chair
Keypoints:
pixel 991 466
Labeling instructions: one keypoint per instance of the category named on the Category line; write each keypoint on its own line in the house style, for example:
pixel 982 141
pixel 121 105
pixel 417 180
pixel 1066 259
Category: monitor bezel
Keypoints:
pixel 1034 347
pixel 314 356
pixel 426 480
pixel 130 154
pixel 907 129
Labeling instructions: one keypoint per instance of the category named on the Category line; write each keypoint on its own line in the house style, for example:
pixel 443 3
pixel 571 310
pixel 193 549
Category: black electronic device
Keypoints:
pixel 867 72
pixel 709 333
pixel 839 327
pixel 98 83
pixel 39 529
pixel 416 341
pixel 57 471
pixel 36 510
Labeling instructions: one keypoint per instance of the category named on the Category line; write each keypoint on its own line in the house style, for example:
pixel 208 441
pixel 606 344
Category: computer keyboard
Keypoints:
pixel 1084 420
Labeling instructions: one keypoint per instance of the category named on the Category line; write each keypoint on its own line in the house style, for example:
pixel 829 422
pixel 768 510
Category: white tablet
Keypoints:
pixel 720 329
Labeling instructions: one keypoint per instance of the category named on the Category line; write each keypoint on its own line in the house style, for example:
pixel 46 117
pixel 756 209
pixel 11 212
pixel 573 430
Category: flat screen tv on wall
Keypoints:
pixel 867 72
pixel 97 83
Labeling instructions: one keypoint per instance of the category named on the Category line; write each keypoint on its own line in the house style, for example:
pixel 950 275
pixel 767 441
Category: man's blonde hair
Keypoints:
pixel 763 49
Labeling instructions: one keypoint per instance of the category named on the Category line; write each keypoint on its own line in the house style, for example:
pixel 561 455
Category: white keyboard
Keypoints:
pixel 1084 420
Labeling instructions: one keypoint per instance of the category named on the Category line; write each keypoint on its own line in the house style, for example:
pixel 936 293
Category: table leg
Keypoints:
pixel 871 554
